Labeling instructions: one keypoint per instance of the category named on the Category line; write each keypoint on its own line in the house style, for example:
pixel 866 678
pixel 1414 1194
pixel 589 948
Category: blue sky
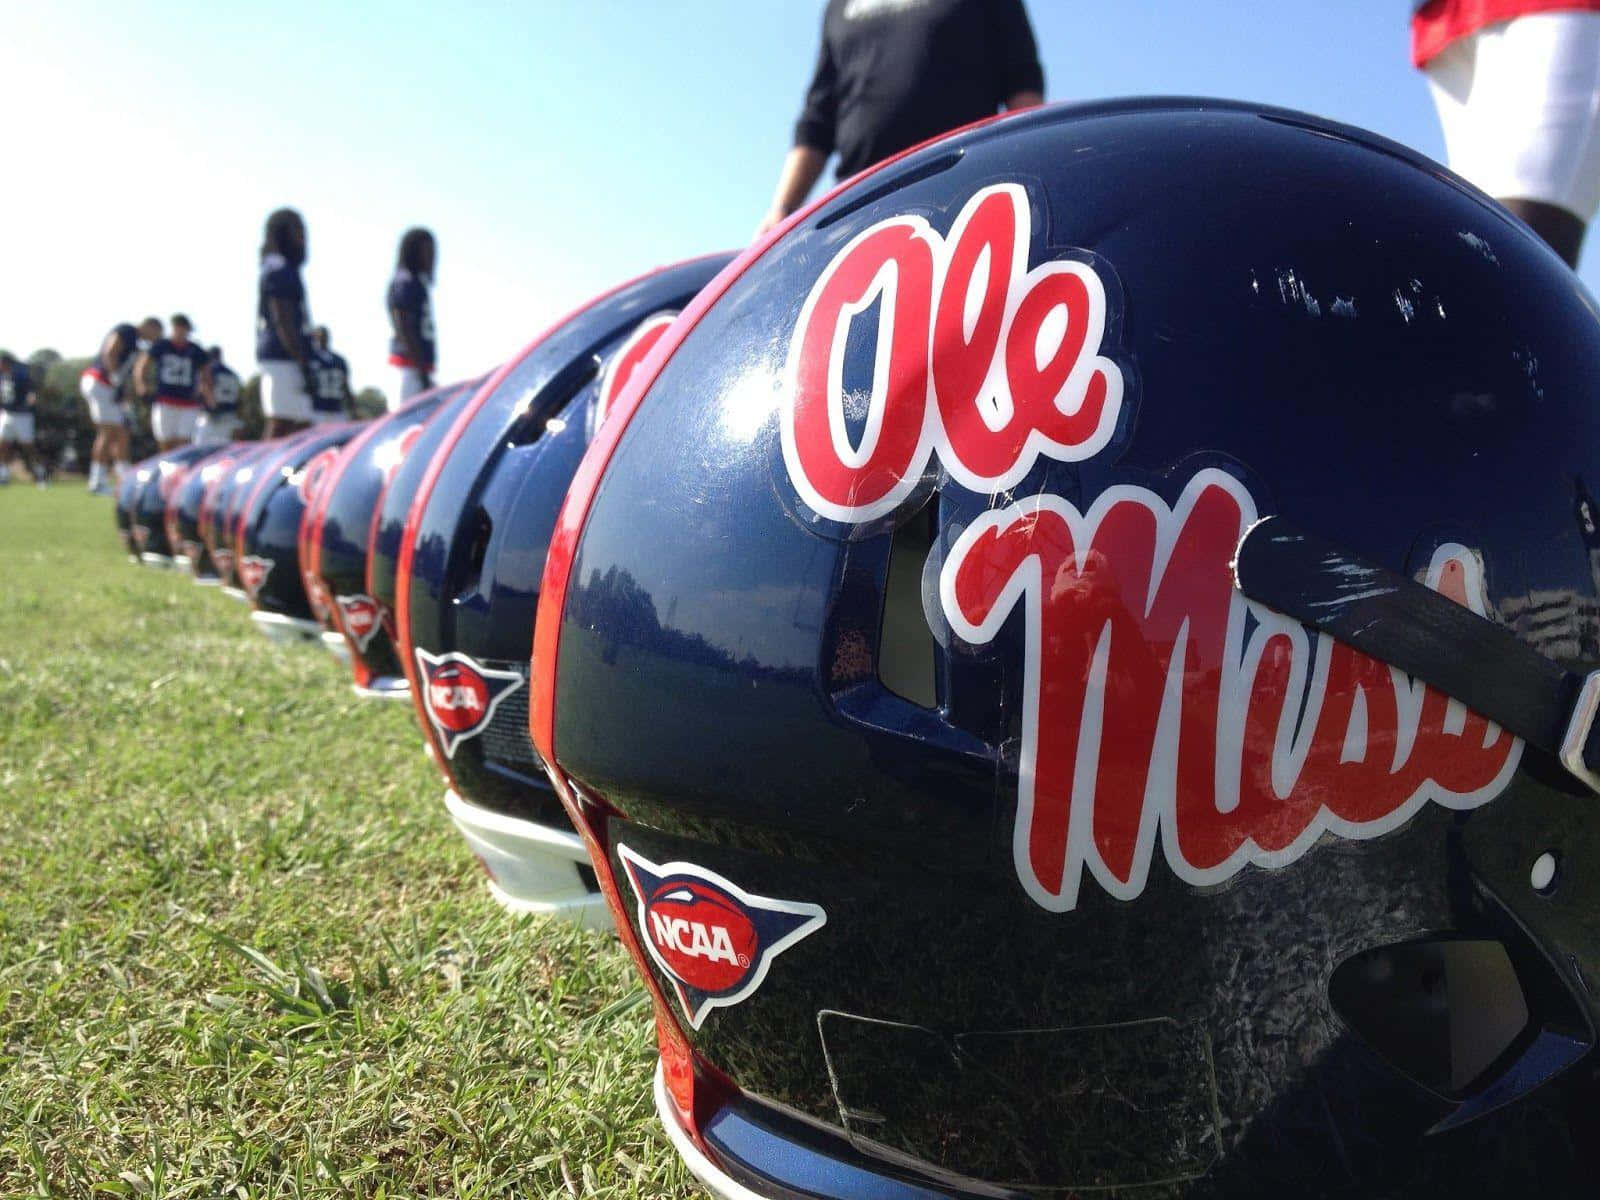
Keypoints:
pixel 555 147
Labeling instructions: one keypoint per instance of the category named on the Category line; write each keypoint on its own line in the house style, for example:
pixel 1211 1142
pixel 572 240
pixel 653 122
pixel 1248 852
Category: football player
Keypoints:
pixel 16 418
pixel 412 349
pixel 219 387
pixel 330 394
pixel 101 386
pixel 169 372
pixel 283 321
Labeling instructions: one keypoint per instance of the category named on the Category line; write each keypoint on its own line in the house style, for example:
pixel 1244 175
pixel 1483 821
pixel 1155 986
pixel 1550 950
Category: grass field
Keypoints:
pixel 241 951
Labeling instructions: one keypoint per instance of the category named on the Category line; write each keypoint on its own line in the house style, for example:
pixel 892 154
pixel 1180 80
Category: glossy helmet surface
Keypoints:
pixel 215 523
pixel 148 517
pixel 467 582
pixel 267 539
pixel 183 511
pixel 338 531
pixel 389 523
pixel 976 835
pixel 128 487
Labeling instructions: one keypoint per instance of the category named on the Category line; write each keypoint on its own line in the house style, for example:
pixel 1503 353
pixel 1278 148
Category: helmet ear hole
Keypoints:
pixel 476 536
pixel 1443 1012
pixel 907 651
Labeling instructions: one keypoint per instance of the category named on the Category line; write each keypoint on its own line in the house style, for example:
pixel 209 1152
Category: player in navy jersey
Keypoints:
pixel 412 348
pixel 330 377
pixel 101 386
pixel 283 323
pixel 169 373
pixel 16 418
pixel 219 388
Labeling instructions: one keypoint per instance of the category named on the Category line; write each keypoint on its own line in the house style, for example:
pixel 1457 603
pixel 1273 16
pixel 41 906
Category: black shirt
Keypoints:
pixel 892 73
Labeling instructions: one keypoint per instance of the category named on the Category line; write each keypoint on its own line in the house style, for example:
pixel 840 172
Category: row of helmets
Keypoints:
pixel 874 629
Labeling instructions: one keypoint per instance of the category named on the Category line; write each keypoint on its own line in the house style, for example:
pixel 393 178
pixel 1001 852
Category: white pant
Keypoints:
pixel 407 383
pixel 1520 105
pixel 172 422
pixel 102 400
pixel 16 427
pixel 283 392
pixel 212 430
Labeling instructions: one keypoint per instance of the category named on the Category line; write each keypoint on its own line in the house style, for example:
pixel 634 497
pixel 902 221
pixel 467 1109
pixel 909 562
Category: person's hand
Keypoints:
pixel 773 218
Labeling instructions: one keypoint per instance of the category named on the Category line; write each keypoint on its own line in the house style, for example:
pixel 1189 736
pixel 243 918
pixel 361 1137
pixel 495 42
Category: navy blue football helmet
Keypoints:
pixel 468 574
pixel 219 511
pixel 267 540
pixel 1075 662
pixel 389 524
pixel 183 513
pixel 341 526
pixel 128 487
pixel 155 480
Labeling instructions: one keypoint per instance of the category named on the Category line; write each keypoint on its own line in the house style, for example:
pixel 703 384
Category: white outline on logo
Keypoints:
pixel 345 603
pixel 1240 663
pixel 765 954
pixel 255 560
pixel 994 399
pixel 651 327
pixel 453 738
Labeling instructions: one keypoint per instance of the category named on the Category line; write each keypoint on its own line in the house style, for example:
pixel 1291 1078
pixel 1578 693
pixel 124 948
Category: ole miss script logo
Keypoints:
pixel 714 940
pixel 460 695
pixel 1153 712
pixel 362 616
pixel 626 360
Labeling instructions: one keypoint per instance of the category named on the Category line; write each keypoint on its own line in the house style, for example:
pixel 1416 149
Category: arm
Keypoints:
pixel 801 169
pixel 813 140
pixel 281 312
pixel 143 369
pixel 203 385
pixel 1018 77
pixel 408 328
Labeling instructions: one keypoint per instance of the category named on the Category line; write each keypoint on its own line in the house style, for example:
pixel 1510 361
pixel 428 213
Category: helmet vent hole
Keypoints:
pixel 477 536
pixel 1546 871
pixel 1443 1012
pixel 907 652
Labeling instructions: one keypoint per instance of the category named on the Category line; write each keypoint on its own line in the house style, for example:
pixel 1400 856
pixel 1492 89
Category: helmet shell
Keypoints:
pixel 339 528
pixel 1096 840
pixel 268 531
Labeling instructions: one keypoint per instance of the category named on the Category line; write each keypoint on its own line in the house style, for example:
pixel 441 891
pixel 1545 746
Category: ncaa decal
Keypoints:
pixel 223 559
pixel 460 695
pixel 253 572
pixel 316 594
pixel 362 617
pixel 713 939
pixel 626 360
pixel 1163 714
pixel 981 364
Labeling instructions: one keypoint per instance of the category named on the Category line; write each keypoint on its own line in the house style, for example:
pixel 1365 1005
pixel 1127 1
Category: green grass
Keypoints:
pixel 242 953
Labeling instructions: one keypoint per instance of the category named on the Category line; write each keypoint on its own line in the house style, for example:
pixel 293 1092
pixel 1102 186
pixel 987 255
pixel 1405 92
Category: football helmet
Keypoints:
pixel 1071 660
pixel 467 582
pixel 218 514
pixel 338 530
pixel 128 487
pixel 183 512
pixel 266 537
pixel 148 514
pixel 388 530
